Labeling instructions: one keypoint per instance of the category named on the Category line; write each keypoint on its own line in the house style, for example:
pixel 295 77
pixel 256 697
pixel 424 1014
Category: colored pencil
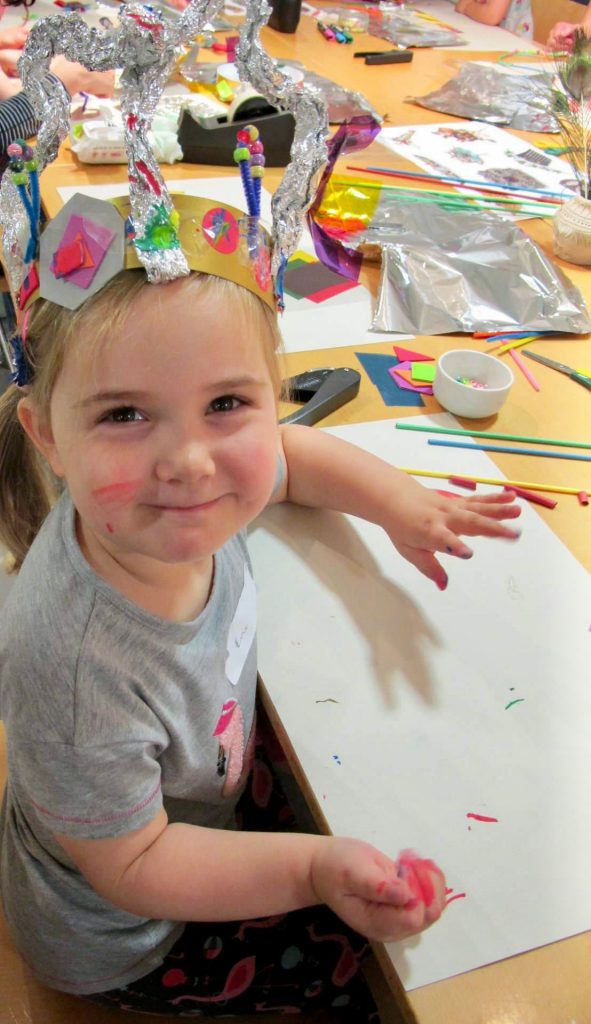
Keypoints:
pixel 494 481
pixel 465 181
pixel 509 451
pixel 526 373
pixel 520 438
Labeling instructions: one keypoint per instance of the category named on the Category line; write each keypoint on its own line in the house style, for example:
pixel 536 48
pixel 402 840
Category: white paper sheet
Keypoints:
pixel 342 320
pixel 424 732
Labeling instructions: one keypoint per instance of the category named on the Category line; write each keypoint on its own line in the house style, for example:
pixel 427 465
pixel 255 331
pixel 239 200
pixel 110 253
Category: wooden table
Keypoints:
pixel 549 985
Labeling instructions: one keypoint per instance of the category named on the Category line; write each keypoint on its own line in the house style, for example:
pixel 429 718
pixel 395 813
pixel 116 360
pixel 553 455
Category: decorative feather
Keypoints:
pixel 572 108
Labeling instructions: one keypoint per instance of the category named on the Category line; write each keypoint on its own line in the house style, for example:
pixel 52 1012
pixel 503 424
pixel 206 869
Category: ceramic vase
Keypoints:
pixel 572 231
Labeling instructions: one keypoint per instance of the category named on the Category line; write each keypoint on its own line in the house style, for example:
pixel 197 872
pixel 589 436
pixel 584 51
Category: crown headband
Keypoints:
pixel 144 47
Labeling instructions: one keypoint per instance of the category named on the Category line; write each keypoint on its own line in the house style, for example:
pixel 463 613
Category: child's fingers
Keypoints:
pixel 426 562
pixel 472 524
pixel 497 506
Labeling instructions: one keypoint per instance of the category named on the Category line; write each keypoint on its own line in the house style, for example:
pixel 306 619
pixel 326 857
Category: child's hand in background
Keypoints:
pixel 562 36
pixel 14 38
pixel 426 521
pixel 382 899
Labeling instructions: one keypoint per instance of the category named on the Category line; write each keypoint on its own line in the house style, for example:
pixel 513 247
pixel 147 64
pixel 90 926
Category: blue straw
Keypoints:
pixel 510 451
pixel 471 181
pixel 519 334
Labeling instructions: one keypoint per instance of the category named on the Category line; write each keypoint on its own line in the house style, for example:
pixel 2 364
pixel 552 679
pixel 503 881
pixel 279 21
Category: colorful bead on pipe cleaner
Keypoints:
pixel 22 165
pixel 249 155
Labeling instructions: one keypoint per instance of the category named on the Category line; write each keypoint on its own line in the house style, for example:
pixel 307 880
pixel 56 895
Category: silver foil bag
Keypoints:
pixel 403 29
pixel 445 272
pixel 481 93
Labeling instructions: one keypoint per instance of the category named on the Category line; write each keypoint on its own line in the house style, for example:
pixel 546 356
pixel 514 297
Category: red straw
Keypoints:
pixel 536 499
pixel 461 481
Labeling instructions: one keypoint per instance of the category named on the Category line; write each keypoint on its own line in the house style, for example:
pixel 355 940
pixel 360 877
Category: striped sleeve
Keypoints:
pixel 17 120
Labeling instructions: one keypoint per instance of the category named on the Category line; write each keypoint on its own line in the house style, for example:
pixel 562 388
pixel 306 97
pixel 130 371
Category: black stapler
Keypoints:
pixel 322 391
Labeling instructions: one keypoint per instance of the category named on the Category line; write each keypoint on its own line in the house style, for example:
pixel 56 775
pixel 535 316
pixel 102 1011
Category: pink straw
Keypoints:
pixel 525 371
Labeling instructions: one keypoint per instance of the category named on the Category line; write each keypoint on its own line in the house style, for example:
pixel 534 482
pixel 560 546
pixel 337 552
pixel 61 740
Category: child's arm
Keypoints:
pixel 488 12
pixel 186 873
pixel 324 471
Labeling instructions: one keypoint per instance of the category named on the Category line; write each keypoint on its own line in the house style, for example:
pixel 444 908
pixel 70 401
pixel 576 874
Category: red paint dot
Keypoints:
pixel 173 977
pixel 109 528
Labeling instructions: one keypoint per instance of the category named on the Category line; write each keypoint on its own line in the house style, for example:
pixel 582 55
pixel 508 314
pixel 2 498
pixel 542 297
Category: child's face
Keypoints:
pixel 167 435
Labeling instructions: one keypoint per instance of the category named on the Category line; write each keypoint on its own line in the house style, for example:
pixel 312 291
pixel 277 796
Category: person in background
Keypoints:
pixel 513 15
pixel 562 34
pixel 17 116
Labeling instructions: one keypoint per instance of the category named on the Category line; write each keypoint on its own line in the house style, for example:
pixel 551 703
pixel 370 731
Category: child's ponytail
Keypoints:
pixel 26 488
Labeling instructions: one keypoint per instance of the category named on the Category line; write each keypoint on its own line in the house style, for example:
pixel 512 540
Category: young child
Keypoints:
pixel 514 15
pixel 137 443
pixel 128 746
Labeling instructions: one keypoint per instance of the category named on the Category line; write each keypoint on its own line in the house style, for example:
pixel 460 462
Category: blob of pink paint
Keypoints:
pixel 117 493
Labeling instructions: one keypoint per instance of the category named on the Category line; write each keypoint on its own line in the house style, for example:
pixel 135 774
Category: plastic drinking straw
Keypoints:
pixel 526 373
pixel 458 183
pixel 467 181
pixel 509 451
pixel 524 439
pixel 495 481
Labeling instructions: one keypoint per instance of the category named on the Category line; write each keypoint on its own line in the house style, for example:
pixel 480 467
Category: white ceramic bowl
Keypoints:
pixel 463 399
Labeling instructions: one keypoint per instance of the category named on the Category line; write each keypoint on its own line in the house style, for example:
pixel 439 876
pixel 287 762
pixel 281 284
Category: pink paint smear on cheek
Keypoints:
pixel 116 494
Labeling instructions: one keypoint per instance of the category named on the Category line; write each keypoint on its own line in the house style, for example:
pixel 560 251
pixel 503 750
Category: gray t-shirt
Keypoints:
pixel 111 713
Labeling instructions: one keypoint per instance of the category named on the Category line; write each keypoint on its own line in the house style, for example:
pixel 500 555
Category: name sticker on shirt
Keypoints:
pixel 242 629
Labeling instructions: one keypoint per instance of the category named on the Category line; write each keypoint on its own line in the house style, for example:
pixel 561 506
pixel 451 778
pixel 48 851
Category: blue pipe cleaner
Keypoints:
pixel 23 168
pixel 20 374
pixel 279 282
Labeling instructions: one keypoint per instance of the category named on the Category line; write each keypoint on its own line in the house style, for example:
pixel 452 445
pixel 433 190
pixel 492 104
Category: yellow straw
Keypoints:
pixel 513 344
pixel 494 480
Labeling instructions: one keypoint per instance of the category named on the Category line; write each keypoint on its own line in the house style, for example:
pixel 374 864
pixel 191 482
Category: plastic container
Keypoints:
pixel 285 15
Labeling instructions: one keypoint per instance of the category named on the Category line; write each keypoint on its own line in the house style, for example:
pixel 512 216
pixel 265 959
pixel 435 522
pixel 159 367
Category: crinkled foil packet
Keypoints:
pixel 481 92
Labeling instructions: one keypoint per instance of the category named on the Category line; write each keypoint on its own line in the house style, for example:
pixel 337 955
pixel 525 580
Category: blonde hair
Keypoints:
pixel 28 488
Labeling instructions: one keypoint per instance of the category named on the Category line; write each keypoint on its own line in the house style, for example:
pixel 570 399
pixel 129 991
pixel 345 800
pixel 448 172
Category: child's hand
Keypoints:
pixel 8 86
pixel 14 38
pixel 382 899
pixel 77 78
pixel 562 36
pixel 426 521
pixel 8 62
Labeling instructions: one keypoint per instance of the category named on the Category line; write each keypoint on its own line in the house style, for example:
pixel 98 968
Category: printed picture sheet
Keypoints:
pixel 455 723
pixel 480 152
